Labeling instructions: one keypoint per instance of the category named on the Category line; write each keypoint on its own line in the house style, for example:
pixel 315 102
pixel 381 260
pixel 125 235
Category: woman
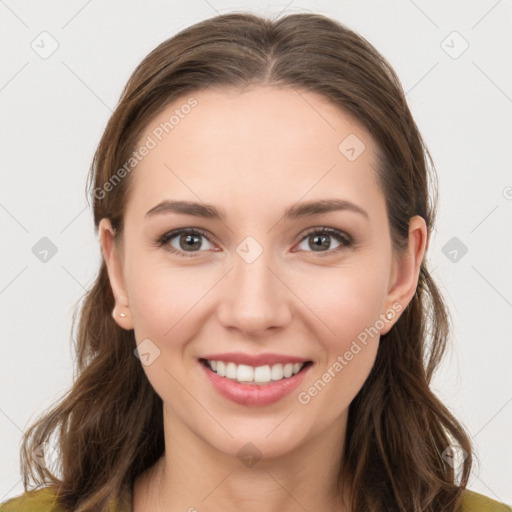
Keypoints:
pixel 263 328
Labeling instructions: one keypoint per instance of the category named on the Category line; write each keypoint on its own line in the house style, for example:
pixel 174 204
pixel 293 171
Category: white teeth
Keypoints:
pixel 231 371
pixel 256 375
pixel 221 368
pixel 262 374
pixel 276 372
pixel 243 373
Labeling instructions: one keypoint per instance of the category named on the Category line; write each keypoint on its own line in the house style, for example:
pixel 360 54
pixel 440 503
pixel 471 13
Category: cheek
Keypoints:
pixel 161 296
pixel 349 307
pixel 345 301
pixel 166 307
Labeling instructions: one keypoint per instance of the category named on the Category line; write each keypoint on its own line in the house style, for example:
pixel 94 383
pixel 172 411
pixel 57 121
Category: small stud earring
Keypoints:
pixel 122 315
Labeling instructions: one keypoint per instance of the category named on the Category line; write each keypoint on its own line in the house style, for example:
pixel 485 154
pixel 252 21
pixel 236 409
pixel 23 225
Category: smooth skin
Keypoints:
pixel 253 154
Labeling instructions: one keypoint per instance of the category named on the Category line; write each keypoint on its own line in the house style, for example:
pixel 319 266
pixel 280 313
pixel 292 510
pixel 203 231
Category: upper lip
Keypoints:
pixel 255 359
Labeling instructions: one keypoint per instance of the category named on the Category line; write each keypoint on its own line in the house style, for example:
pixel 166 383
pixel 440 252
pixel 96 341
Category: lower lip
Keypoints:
pixel 254 394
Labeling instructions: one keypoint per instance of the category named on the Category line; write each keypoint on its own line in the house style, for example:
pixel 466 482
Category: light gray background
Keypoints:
pixel 54 111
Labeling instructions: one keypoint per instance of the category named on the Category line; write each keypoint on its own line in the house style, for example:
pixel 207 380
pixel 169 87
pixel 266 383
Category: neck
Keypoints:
pixel 192 475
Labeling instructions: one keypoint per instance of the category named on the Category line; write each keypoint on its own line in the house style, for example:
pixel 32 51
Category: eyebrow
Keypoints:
pixel 298 210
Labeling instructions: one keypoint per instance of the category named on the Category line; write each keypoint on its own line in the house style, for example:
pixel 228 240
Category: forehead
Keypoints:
pixel 243 148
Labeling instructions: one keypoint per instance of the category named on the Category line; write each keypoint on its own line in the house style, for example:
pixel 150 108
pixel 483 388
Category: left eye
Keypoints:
pixel 320 240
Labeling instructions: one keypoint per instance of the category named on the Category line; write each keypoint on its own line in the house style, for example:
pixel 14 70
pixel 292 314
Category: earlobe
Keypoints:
pixel 406 272
pixel 114 265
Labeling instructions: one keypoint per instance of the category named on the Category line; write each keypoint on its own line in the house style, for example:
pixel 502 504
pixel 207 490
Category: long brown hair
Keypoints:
pixel 109 426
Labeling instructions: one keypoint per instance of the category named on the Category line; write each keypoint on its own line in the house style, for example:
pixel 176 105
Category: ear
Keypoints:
pixel 114 262
pixel 405 273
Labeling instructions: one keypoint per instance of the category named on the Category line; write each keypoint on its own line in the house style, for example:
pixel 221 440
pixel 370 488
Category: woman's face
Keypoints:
pixel 263 278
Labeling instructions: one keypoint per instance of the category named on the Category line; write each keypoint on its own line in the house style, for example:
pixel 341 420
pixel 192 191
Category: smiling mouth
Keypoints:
pixel 259 375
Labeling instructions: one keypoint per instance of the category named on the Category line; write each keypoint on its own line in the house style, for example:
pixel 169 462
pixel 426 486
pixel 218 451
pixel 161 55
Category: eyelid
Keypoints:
pixel 345 240
pixel 163 241
pixel 330 231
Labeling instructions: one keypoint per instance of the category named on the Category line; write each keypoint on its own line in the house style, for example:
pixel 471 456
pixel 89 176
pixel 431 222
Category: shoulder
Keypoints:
pixel 475 502
pixel 39 500
pixel 45 500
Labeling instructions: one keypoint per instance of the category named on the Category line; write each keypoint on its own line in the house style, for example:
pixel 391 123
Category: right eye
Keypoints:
pixel 180 241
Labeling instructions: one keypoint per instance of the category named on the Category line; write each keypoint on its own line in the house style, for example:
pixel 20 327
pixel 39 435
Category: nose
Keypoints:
pixel 254 298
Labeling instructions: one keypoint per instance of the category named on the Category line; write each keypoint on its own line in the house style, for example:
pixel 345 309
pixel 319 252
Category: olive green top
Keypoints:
pixel 44 500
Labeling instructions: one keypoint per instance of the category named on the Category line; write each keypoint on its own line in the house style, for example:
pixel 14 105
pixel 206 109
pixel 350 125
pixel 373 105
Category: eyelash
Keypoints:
pixel 344 239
